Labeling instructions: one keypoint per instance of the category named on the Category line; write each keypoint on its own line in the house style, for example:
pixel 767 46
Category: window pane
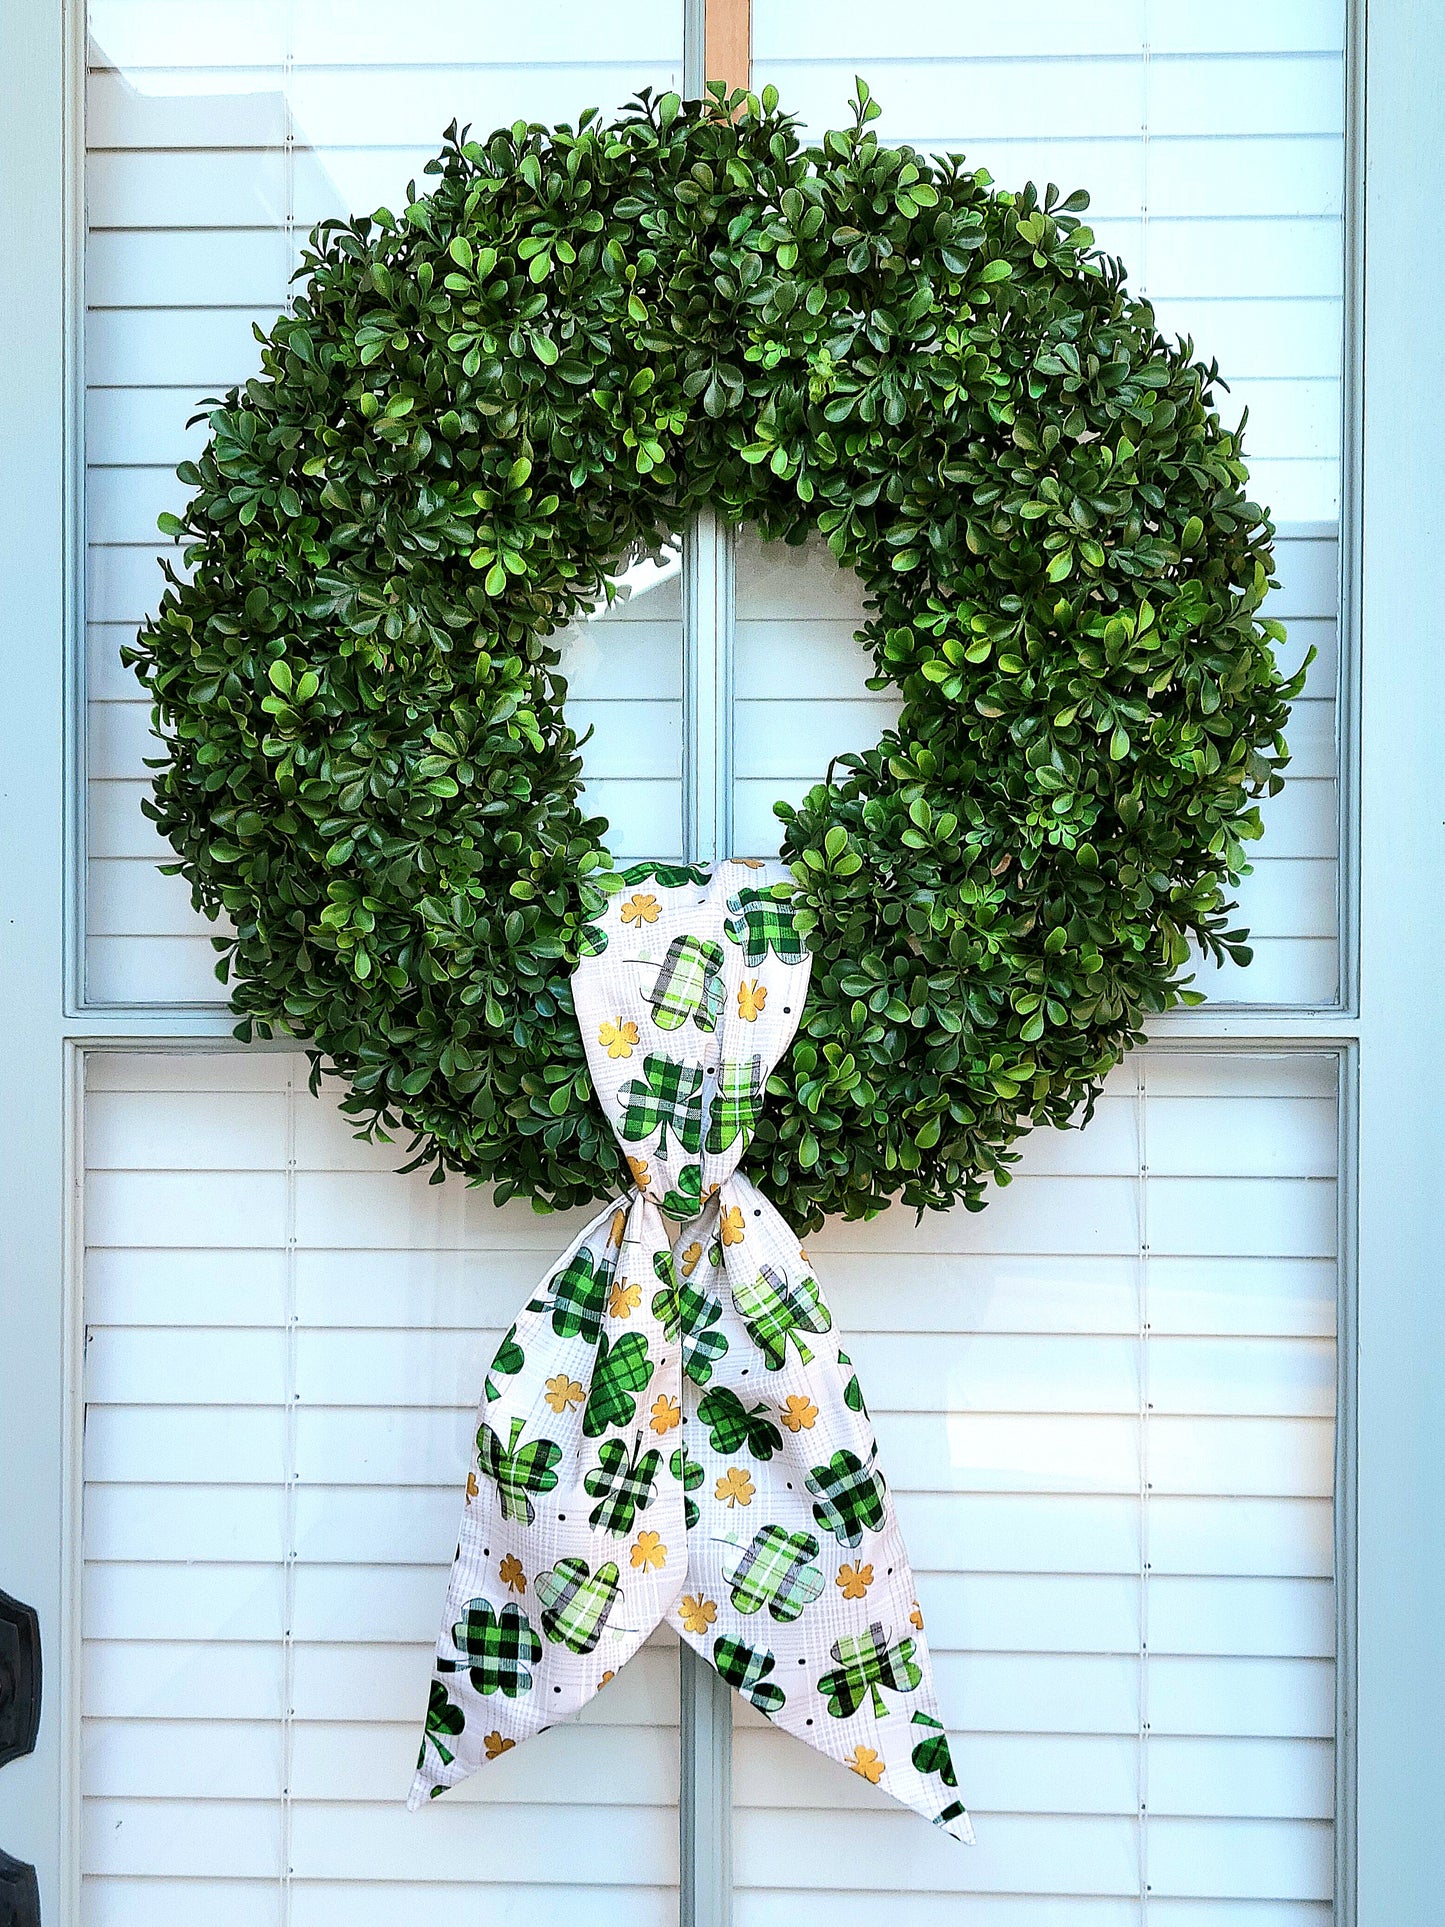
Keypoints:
pixel 217 135
pixel 286 1346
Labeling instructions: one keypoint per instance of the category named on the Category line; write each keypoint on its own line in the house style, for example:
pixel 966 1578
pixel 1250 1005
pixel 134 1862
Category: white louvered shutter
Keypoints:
pixel 1106 1404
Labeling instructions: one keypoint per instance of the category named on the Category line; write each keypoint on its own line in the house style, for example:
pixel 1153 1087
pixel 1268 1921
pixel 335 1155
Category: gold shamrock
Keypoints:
pixel 697 1614
pixel 619 1037
pixel 666 1413
pixel 511 1574
pixel 751 999
pixel 562 1392
pixel 625 1298
pixel 853 1581
pixel 736 1487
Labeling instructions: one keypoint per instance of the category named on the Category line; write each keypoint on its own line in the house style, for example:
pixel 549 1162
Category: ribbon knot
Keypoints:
pixel 669 1431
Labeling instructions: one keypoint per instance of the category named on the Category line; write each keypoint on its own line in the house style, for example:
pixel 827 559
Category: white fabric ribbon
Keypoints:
pixel 669 1431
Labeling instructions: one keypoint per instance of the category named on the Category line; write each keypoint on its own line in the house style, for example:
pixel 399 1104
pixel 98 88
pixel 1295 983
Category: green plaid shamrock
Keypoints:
pixel 775 1572
pixel 689 1473
pixel 668 1096
pixel 622 1485
pixel 867 1661
pixel 684 1199
pixel 576 1606
pixel 932 1755
pixel 852 1391
pixel 737 1105
pixel 683 1308
pixel 509 1360
pixel 761 922
pixel 776 1309
pixel 443 1722
pixel 746 1669
pixel 517 1470
pixel 732 1425
pixel 576 1295
pixel 668 875
pixel 622 1371
pixel 850 1496
pixel 689 984
pixel 592 940
pixel 501 1646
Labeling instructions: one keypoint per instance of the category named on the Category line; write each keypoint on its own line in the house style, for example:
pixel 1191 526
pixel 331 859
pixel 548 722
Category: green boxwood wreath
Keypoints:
pixel 480 408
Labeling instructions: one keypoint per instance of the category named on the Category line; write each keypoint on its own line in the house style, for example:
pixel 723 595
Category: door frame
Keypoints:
pixel 1391 1502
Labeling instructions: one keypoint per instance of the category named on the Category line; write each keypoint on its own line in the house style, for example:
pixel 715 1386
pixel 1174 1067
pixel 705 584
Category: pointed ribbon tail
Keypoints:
pixel 670 1430
pixel 572 1542
pixel 799 1585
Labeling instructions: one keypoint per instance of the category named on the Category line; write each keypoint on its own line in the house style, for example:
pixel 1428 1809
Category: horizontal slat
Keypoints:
pixel 133 274
pixel 1033 1855
pixel 175 972
pixel 115 1901
pixel 159 1680
pixel 150 1760
pixel 112 1900
pixel 171 33
pixel 240 1439
pixel 1286 972
pixel 245 105
pixel 1044 29
pixel 935 98
pixel 767 1906
pixel 1015 1853
pixel 1067 1773
pixel 966 1611
pixel 1188 1217
pixel 1002 1532
pixel 779 583
pixel 638 739
pixel 941 1292
pixel 1246 174
pixel 603 1845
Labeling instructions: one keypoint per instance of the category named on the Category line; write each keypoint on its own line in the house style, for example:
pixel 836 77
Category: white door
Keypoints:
pixel 1160 1420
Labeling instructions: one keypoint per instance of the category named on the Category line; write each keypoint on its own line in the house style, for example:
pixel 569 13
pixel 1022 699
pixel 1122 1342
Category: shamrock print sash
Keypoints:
pixel 670 1431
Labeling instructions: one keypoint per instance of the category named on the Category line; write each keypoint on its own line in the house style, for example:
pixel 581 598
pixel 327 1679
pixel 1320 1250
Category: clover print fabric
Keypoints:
pixel 670 1429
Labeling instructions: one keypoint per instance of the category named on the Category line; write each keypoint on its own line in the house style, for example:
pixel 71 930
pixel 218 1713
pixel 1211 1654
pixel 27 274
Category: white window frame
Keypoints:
pixel 1388 1028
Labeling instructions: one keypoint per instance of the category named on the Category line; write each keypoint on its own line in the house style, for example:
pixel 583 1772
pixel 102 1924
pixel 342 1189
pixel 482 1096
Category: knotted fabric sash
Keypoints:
pixel 670 1431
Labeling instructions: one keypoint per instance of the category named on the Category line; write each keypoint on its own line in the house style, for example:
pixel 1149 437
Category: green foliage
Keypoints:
pixel 480 408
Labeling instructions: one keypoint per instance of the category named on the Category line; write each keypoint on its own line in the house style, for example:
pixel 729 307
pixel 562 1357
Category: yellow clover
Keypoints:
pixel 697 1614
pixel 563 1392
pixel 619 1038
pixel 736 1487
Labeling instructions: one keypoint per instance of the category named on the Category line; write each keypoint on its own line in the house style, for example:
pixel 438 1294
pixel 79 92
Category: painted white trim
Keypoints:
pixel 36 1393
pixel 1400 1554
